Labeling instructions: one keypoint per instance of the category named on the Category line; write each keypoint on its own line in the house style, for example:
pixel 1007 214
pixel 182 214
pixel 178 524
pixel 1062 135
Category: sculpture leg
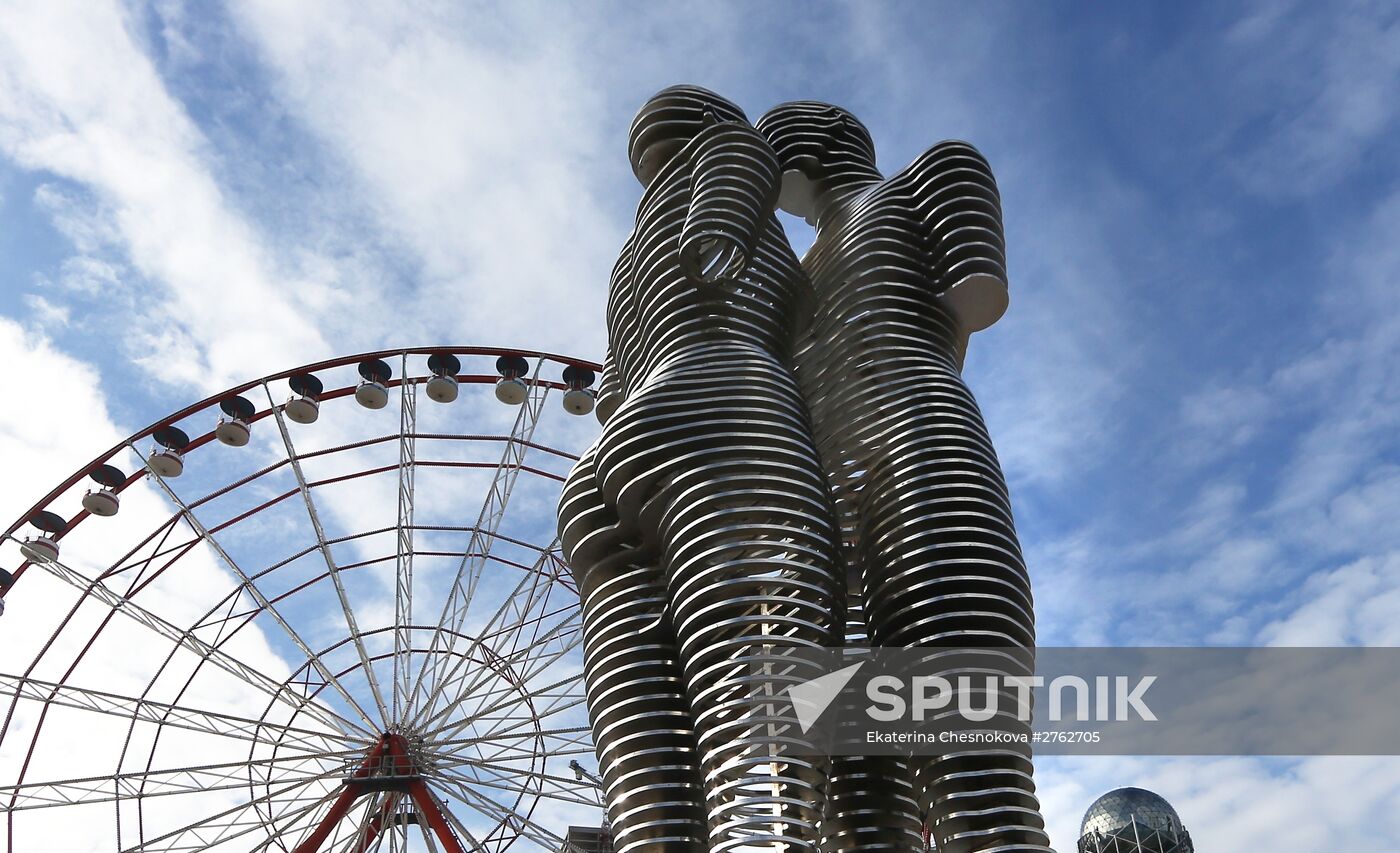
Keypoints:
pixel 943 569
pixel 871 805
pixel 643 731
pixel 715 456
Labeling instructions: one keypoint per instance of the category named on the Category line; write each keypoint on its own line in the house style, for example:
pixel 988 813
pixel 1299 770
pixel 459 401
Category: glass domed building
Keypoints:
pixel 1132 820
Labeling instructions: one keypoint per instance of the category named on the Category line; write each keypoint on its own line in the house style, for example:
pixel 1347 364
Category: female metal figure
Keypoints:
pixel 905 268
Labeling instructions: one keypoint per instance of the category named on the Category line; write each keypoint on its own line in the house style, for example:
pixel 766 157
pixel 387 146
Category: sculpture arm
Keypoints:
pixel 735 181
pixel 957 202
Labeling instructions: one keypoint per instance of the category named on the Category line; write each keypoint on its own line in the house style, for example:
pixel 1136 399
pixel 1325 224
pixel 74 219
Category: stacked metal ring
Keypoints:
pixel 707 470
pixel 918 486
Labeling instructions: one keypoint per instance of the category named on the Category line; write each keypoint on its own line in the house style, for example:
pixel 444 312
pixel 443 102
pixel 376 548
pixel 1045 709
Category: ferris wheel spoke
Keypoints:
pixel 232 822
pixel 520 602
pixel 503 694
pixel 477 553
pixel 562 638
pixel 497 636
pixel 516 745
pixel 510 777
pixel 403 556
pixel 332 568
pixel 572 736
pixel 364 836
pixel 502 814
pixel 171 781
pixel 510 760
pixel 213 654
pixel 450 818
pixel 504 725
pixel 175 716
pixel 288 816
pixel 452 727
pixel 380 823
pixel 429 841
pixel 256 593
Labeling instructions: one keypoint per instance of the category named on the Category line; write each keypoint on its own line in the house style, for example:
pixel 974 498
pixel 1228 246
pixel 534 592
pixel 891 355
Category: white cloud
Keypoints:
pixel 1321 84
pixel 477 156
pixel 476 144
pixel 78 99
pixel 46 313
pixel 1351 605
pixel 62 425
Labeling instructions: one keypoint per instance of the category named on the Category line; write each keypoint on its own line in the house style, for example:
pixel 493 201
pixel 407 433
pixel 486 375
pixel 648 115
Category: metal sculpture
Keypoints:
pixel 905 268
pixel 700 527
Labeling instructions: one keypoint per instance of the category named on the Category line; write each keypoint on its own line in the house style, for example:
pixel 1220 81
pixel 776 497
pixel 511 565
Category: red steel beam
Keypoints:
pixel 341 807
pixel 391 754
pixel 429 809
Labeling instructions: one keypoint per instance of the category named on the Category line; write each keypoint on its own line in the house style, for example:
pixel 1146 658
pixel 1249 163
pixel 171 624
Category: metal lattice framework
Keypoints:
pixel 1133 820
pixel 239 660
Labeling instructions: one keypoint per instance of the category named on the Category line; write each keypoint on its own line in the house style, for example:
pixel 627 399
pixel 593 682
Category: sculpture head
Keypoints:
pixel 821 147
pixel 670 119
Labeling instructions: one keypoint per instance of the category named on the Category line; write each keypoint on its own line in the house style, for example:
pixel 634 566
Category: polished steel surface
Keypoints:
pixel 925 514
pixel 1132 820
pixel 700 526
pixel 790 458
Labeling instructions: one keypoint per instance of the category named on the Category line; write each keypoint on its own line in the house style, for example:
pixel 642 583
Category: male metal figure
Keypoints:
pixel 702 516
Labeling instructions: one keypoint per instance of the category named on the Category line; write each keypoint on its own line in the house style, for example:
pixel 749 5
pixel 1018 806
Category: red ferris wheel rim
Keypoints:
pixel 213 400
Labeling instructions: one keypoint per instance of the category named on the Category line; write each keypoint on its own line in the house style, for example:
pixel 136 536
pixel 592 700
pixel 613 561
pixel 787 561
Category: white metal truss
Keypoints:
pixel 488 701
pixel 403 558
pixel 182 780
pixel 213 654
pixel 264 604
pixel 298 799
pixel 281 735
pixel 457 607
pixel 351 623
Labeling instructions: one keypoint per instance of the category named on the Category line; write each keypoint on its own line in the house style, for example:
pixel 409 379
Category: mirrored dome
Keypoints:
pixel 1121 806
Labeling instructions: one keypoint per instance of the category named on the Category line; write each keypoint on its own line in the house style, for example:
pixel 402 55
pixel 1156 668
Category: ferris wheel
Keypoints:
pixel 312 612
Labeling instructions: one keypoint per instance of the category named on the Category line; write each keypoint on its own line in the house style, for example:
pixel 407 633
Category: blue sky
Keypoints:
pixel 1195 391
